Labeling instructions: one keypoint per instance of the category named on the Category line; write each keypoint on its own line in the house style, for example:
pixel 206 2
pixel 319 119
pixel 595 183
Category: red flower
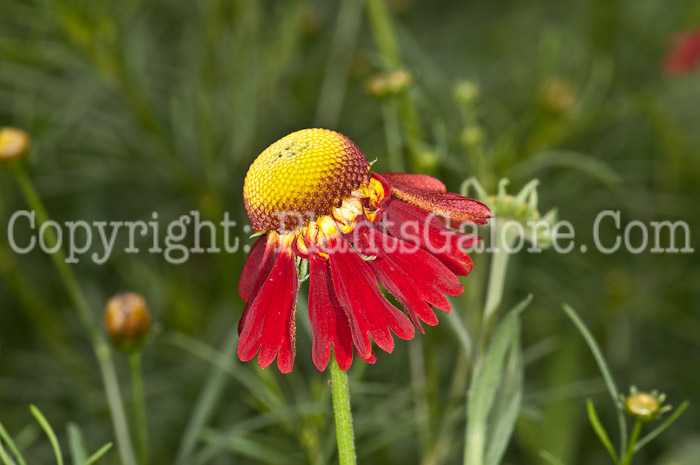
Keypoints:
pixel 314 197
pixel 684 55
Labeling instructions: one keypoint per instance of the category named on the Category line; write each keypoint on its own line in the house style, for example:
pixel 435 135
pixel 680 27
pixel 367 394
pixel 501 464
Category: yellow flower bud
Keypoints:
pixel 643 406
pixel 14 144
pixel 127 320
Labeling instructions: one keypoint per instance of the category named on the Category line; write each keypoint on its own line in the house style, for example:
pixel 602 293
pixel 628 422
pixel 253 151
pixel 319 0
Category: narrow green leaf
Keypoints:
pixel 605 371
pixel 549 458
pixel 49 432
pixel 485 384
pixel 6 460
pixel 600 430
pixel 11 444
pixel 660 429
pixel 508 403
pixel 208 397
pixel 77 444
pixel 98 455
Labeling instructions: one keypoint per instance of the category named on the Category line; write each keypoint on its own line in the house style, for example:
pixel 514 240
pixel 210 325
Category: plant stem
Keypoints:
pixel 139 406
pixel 494 291
pixel 636 431
pixel 99 343
pixel 343 415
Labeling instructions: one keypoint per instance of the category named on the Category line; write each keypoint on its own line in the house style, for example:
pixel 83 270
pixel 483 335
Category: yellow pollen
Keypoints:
pixel 302 177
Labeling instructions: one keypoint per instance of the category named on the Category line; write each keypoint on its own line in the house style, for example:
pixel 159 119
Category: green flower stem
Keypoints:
pixel 343 415
pixel 139 406
pixel 634 437
pixel 497 273
pixel 99 343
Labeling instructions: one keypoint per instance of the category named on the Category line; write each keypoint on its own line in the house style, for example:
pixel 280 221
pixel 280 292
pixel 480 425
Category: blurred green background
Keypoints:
pixel 138 106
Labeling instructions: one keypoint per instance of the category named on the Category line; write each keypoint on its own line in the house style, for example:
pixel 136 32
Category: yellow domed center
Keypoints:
pixel 302 177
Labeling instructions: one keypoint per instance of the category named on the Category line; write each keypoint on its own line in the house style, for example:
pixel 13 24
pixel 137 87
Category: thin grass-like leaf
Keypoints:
pixel 600 430
pixel 605 371
pixel 208 398
pixel 5 436
pixel 549 458
pixel 6 460
pixel 508 403
pixel 98 455
pixel 485 384
pixel 49 432
pixel 76 442
pixel 660 429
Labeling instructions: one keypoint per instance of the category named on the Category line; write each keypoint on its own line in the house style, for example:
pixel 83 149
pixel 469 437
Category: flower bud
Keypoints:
pixel 466 93
pixel 558 95
pixel 471 137
pixel 127 320
pixel 14 144
pixel 390 84
pixel 645 406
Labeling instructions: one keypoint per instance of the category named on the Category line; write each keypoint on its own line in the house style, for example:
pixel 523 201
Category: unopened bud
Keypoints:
pixel 466 92
pixel 558 95
pixel 393 83
pixel 127 320
pixel 14 144
pixel 645 406
pixel 471 137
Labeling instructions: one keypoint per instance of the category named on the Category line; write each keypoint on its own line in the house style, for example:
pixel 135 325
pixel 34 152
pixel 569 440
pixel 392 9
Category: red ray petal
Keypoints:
pixel 453 206
pixel 416 181
pixel 369 313
pixel 329 322
pixel 423 229
pixel 267 262
pixel 252 267
pixel 412 275
pixel 269 317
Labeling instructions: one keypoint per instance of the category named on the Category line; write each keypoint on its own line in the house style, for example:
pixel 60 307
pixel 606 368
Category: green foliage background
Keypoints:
pixel 137 106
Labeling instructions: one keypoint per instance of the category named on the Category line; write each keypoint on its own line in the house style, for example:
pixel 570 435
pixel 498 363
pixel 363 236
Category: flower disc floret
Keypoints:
pixel 301 177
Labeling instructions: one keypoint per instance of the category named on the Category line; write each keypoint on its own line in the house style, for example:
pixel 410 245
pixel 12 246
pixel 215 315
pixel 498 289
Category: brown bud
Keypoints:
pixel 14 144
pixel 127 320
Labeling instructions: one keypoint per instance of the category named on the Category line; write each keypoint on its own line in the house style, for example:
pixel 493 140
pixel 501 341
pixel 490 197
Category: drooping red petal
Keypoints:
pixel 412 275
pixel 329 322
pixel 251 269
pixel 423 229
pixel 264 268
pixel 268 325
pixel 415 181
pixel 457 208
pixel 369 313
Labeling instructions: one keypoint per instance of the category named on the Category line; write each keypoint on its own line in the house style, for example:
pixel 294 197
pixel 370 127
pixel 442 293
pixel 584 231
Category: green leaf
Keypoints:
pixel 549 458
pixel 508 402
pixel 659 429
pixel 98 455
pixel 6 460
pixel 605 371
pixel 485 385
pixel 600 430
pixel 49 432
pixel 77 444
pixel 5 436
